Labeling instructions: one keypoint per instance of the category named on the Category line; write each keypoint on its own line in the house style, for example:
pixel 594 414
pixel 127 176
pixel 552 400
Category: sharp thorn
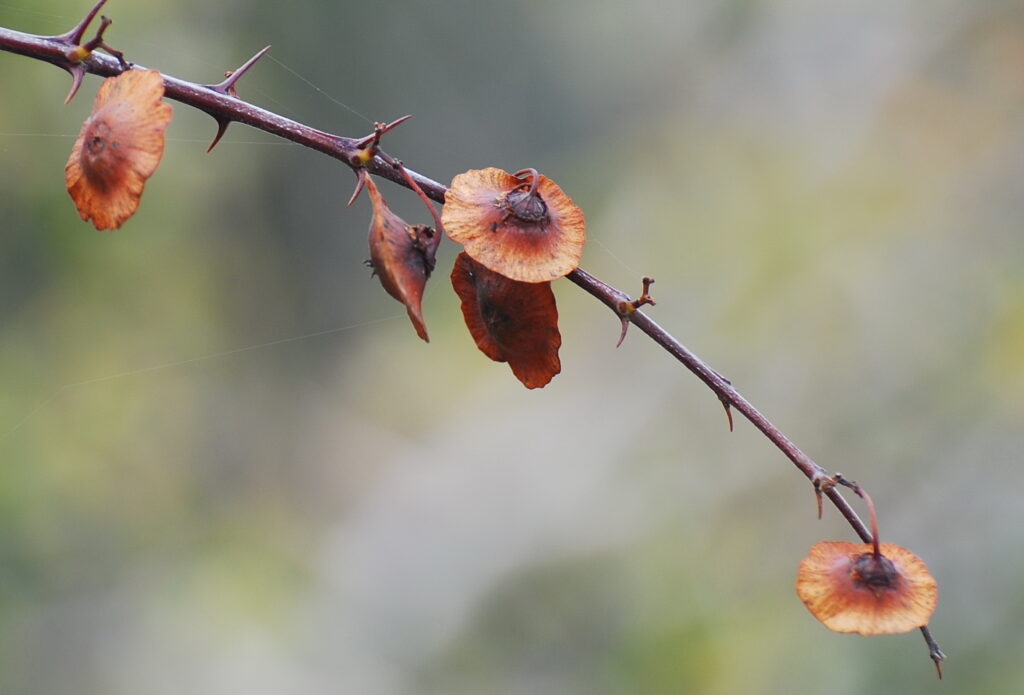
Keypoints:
pixel 378 130
pixel 396 122
pixel 360 182
pixel 75 35
pixel 222 127
pixel 728 413
pixel 822 481
pixel 227 86
pixel 77 73
pixel 625 327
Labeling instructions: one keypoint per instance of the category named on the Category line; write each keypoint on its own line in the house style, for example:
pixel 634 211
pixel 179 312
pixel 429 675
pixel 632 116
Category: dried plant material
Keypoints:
pixel 118 148
pixel 402 256
pixel 514 322
pixel 851 589
pixel 522 226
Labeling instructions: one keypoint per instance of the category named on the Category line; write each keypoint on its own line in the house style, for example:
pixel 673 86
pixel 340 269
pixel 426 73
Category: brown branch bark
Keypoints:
pixel 225 108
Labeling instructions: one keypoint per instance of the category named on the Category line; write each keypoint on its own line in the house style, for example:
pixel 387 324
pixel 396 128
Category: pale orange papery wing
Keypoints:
pixel 831 592
pixel 118 147
pixel 528 252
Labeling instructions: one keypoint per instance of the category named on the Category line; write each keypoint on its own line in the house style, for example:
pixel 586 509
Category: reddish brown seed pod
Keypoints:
pixel 514 322
pixel 851 589
pixel 522 226
pixel 118 148
pixel 402 256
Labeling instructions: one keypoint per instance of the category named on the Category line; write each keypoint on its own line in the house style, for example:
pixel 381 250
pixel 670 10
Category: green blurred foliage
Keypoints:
pixel 228 465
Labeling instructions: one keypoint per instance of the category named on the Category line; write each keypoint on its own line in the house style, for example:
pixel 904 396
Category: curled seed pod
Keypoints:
pixel 514 322
pixel 522 226
pixel 402 256
pixel 850 588
pixel 118 148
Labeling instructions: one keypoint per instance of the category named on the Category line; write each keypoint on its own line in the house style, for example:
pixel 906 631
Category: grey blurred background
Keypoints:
pixel 194 497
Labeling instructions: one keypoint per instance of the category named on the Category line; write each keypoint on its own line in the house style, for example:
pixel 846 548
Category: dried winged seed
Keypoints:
pixel 514 322
pixel 118 147
pixel 402 257
pixel 526 238
pixel 850 594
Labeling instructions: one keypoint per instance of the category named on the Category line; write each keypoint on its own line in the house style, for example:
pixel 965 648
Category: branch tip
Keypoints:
pixel 936 653
pixel 645 296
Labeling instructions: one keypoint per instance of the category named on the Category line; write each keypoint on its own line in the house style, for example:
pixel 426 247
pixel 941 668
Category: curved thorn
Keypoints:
pixel 222 127
pixel 822 482
pixel 77 72
pixel 360 182
pixel 625 327
pixel 728 412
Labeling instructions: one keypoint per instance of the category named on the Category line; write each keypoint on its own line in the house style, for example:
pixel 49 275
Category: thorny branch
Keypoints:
pixel 222 104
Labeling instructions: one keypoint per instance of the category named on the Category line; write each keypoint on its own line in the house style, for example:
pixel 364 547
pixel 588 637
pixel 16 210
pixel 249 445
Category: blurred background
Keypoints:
pixel 228 465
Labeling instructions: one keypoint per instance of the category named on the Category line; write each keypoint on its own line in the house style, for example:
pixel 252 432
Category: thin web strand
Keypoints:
pixel 180 363
pixel 308 82
pixel 614 257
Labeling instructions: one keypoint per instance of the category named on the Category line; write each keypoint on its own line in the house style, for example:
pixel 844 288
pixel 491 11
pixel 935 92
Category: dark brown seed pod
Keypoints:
pixel 402 256
pixel 514 322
